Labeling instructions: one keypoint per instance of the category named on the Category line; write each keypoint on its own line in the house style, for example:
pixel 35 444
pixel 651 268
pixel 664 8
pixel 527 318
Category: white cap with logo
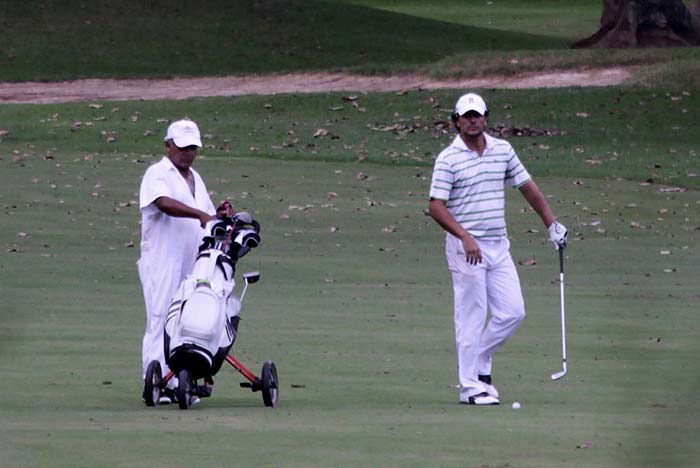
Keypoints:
pixel 184 133
pixel 471 102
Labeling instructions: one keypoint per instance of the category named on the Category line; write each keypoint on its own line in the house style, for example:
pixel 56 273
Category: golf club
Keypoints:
pixel 562 372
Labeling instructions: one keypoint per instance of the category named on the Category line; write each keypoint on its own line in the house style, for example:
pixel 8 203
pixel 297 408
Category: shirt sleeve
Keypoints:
pixel 443 178
pixel 516 174
pixel 153 186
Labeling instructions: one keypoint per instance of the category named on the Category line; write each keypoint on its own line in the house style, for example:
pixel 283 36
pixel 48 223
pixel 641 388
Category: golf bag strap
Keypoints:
pixel 220 260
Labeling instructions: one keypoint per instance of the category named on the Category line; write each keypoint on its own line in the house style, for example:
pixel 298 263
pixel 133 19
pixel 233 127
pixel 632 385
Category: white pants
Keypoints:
pixel 158 291
pixel 490 286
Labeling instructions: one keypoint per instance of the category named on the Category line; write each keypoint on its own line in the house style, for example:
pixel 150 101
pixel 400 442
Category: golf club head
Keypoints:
pixel 560 374
pixel 251 277
pixel 244 217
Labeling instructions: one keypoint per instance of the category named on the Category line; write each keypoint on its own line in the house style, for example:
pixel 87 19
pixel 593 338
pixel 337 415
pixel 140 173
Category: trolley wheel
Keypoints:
pixel 151 386
pixel 270 384
pixel 185 389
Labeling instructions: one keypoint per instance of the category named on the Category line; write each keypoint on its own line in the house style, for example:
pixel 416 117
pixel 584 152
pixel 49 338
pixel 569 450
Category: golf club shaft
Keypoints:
pixel 561 298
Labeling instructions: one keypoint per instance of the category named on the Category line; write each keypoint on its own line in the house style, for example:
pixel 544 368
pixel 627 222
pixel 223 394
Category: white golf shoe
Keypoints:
pixel 481 399
pixel 488 386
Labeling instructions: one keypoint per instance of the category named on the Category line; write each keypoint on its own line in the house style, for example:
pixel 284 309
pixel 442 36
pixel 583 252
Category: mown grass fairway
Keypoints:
pixel 357 319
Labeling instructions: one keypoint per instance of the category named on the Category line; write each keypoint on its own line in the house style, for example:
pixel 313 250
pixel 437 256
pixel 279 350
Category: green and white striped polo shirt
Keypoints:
pixel 474 186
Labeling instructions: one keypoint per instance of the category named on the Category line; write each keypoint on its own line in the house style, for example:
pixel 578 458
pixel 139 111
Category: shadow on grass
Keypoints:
pixel 51 41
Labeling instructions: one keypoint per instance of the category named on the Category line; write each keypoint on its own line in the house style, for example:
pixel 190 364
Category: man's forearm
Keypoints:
pixel 178 209
pixel 439 212
pixel 536 199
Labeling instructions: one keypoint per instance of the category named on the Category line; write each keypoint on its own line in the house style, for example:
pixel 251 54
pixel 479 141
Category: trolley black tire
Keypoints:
pixel 184 389
pixel 270 384
pixel 151 386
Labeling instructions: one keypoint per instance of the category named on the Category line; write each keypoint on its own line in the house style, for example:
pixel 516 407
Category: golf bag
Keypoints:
pixel 202 321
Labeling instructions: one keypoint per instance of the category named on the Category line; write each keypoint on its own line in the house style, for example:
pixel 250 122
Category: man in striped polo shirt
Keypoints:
pixel 467 198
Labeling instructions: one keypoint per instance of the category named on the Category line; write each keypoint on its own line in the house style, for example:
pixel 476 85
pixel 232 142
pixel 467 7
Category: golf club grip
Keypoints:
pixel 561 260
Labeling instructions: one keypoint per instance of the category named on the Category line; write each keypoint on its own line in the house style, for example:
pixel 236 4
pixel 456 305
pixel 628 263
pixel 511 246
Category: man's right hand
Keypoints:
pixel 472 250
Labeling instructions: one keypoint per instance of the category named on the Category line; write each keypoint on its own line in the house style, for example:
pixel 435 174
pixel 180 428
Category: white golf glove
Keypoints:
pixel 557 234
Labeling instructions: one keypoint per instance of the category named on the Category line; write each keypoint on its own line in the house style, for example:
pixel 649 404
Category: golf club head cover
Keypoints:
pixel 558 235
pixel 247 238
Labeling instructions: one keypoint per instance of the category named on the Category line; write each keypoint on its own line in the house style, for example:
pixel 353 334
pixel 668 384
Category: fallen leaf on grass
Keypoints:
pixel 528 262
pixel 110 136
pixel 671 189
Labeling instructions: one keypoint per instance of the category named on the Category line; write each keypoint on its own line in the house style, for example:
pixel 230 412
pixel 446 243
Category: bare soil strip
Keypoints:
pixel 182 88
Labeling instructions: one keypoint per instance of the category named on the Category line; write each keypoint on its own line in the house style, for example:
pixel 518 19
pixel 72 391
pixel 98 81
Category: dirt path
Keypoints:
pixel 182 88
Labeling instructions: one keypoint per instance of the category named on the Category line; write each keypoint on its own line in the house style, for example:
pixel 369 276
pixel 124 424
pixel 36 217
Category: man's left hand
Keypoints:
pixel 558 235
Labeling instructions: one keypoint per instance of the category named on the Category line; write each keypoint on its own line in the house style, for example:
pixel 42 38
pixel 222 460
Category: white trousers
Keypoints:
pixel 159 287
pixel 490 286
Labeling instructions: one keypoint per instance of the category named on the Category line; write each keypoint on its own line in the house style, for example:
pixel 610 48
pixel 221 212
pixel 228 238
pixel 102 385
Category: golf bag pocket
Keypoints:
pixel 202 318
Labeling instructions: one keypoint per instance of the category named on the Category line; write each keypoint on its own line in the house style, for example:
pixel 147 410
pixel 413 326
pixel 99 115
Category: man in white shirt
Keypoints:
pixel 467 198
pixel 175 205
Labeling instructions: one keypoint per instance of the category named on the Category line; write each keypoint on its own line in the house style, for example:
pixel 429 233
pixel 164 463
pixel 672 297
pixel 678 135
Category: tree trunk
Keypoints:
pixel 645 23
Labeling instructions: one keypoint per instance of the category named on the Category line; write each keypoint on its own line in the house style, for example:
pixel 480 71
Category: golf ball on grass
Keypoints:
pixel 516 405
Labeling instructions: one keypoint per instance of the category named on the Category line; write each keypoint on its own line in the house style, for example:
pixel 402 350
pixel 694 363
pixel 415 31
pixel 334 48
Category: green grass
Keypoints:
pixel 558 19
pixel 358 320
pixel 598 133
pixel 68 39
pixel 61 40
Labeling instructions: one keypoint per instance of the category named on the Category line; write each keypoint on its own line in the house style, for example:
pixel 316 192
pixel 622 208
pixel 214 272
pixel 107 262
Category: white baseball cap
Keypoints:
pixel 471 102
pixel 184 133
